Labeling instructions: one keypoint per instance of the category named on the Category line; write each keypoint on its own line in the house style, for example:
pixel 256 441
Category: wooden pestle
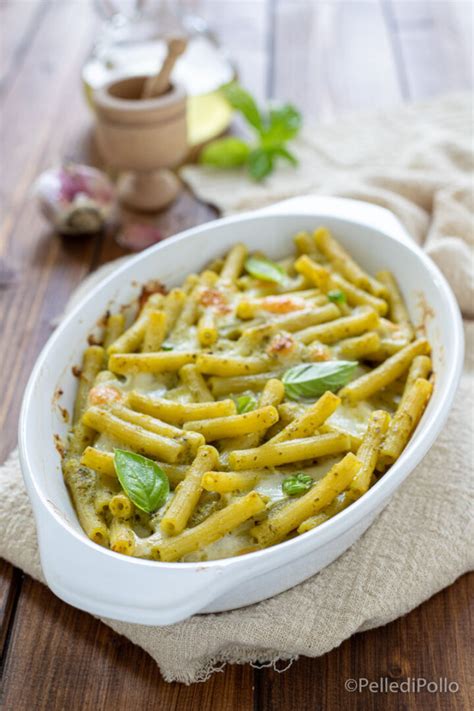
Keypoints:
pixel 159 83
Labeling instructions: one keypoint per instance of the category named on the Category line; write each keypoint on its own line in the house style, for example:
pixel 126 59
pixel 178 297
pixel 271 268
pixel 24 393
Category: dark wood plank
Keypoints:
pixel 60 658
pixel 10 584
pixel 325 62
pixel 47 267
pixel 431 642
pixel 35 88
pixel 33 105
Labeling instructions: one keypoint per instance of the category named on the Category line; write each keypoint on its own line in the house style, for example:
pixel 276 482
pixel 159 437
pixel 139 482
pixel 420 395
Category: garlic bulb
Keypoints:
pixel 76 199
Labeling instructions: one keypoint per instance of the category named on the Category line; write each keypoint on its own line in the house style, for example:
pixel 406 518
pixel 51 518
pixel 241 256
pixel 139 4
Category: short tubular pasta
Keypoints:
pixel 82 486
pixel 406 418
pixel 141 440
pixel 155 331
pixel 338 504
pixel 191 440
pixel 214 527
pixel 221 386
pixel 220 427
pixel 320 495
pixel 272 395
pixel 419 368
pixel 304 243
pixel 384 374
pixel 91 365
pixel 122 537
pixel 121 506
pixel 106 488
pixel 356 296
pixel 188 492
pixel 359 346
pixel 224 482
pixel 315 273
pixel 295 450
pixel 344 263
pixel 179 413
pixel 306 424
pixel 364 319
pixel 132 338
pixel 398 310
pixel 212 364
pixel 368 451
pixel 207 331
pixel 81 434
pixel 131 363
pixel 99 461
pixel 194 380
pixel 252 403
pixel 172 307
pixel 233 264
pixel 309 317
pixel 114 327
pixel 187 317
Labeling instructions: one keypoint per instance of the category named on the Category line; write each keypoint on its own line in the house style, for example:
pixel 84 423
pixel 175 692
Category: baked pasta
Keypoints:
pixel 247 406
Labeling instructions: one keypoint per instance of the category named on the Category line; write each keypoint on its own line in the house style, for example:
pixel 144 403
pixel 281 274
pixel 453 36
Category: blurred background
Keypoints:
pixel 328 57
pixel 325 55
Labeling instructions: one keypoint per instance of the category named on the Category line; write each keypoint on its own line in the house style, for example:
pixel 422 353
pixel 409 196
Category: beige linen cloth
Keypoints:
pixel 418 162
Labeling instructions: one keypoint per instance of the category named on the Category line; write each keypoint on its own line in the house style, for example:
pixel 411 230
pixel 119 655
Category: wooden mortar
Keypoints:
pixel 145 138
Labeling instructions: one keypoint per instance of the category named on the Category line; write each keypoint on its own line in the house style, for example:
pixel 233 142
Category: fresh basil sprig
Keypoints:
pixel 245 403
pixel 265 270
pixel 296 484
pixel 309 380
pixel 142 479
pixel 337 296
pixel 272 128
pixel 227 152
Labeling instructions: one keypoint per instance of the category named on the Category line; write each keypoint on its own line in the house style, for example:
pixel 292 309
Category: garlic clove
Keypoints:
pixel 77 199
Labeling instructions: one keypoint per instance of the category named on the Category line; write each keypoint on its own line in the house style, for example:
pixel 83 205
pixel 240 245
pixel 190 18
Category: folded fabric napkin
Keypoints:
pixel 418 162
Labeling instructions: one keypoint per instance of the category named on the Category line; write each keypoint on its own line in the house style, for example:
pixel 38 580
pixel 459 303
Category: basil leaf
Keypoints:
pixel 225 153
pixel 337 296
pixel 245 403
pixel 242 101
pixel 285 153
pixel 296 484
pixel 265 270
pixel 260 163
pixel 167 346
pixel 283 124
pixel 309 380
pixel 274 128
pixel 142 480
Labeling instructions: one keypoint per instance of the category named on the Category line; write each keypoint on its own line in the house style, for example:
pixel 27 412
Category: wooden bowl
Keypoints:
pixel 145 138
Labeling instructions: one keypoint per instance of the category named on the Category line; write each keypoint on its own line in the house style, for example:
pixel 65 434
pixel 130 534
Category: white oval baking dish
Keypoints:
pixel 112 585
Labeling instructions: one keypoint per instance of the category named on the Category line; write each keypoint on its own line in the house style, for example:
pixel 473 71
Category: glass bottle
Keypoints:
pixel 132 42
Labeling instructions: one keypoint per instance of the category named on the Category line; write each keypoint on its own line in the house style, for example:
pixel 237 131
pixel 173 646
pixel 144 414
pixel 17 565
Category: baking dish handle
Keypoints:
pixel 103 583
pixel 364 213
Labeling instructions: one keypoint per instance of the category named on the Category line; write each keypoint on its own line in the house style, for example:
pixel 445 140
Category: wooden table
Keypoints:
pixel 328 57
